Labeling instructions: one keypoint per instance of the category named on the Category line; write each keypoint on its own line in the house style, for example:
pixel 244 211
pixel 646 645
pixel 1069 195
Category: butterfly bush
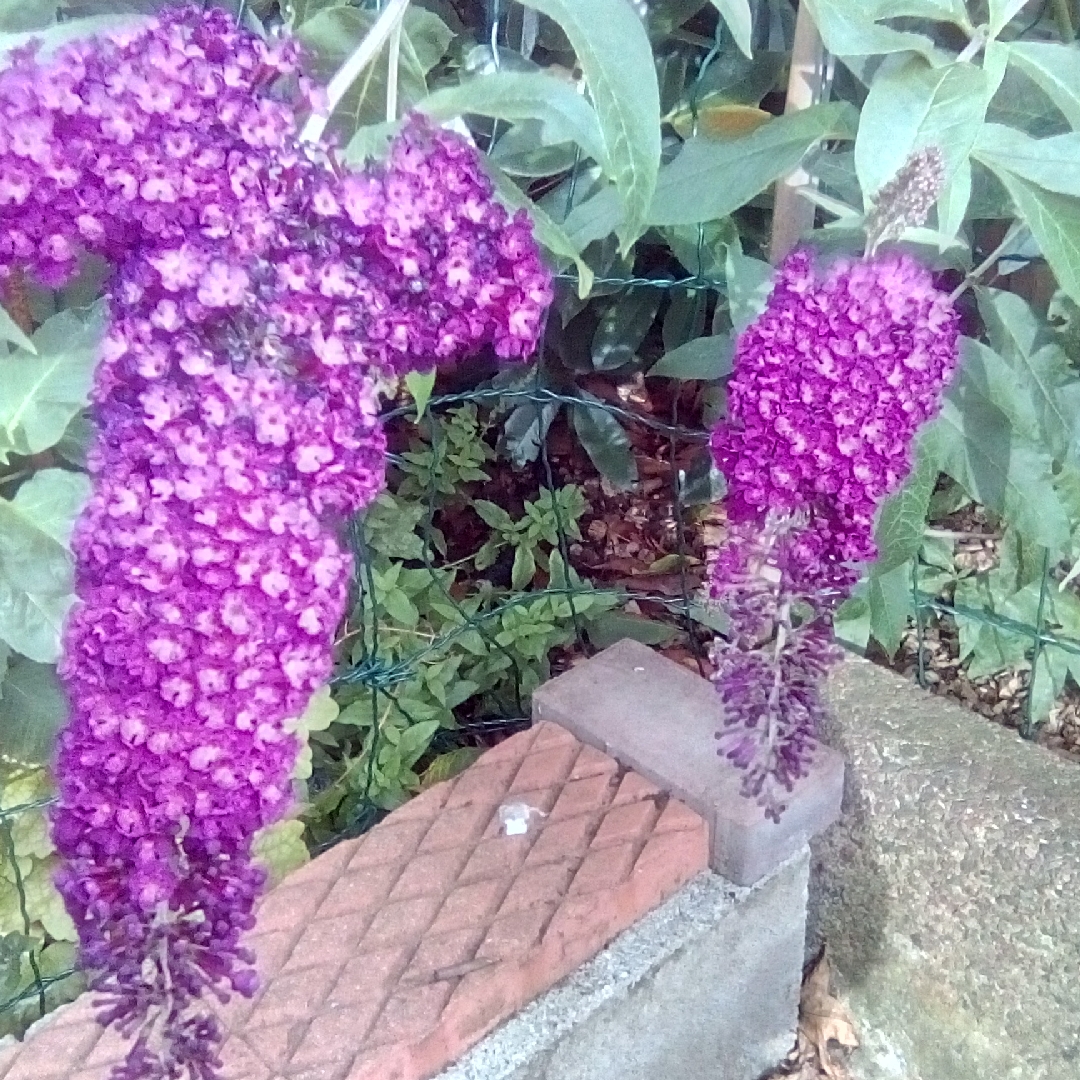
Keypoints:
pixel 830 385
pixel 261 296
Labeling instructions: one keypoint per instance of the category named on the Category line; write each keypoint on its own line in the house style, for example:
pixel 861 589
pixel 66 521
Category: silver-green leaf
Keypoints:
pixel 564 115
pixel 851 28
pixel 1055 69
pixel 704 358
pixel 615 55
pixel 32 711
pixel 36 570
pixel 1053 163
pixel 739 19
pixel 710 179
pixel 42 391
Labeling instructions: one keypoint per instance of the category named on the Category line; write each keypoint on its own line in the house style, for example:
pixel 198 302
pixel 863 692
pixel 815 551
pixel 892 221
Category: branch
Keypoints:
pixel 348 73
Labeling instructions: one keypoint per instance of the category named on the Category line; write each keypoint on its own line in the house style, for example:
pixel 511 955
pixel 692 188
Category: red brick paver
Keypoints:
pixel 389 956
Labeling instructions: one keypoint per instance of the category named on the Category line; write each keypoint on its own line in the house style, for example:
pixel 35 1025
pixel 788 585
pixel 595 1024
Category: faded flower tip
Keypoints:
pixel 906 200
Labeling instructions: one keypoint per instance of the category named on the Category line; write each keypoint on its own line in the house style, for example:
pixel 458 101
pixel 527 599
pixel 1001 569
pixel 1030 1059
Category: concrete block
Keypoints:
pixel 660 719
pixel 705 987
pixel 948 890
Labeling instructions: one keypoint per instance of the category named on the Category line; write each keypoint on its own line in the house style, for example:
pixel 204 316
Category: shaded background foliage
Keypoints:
pixel 645 140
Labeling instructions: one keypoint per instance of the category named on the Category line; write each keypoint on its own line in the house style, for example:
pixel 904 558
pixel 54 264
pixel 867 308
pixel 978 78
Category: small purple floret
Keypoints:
pixel 260 295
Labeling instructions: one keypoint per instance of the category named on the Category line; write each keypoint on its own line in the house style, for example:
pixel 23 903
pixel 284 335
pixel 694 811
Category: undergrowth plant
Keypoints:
pixel 432 641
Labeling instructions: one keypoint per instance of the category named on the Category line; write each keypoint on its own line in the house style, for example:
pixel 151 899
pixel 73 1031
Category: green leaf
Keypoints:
pixel 902 520
pixel 76 440
pixel 1053 164
pixel 11 331
pixel 51 38
pixel 709 614
pixel 952 11
pixel 851 28
pixel 280 848
pixel 990 378
pixel 954 200
pixel 709 179
pixel 32 711
pixel 704 358
pixel 1002 12
pixel 615 55
pixel 623 328
pixel 685 318
pixel 415 740
pixel 1054 221
pixel 493 515
pixel 524 568
pixel 43 391
pixel 1055 69
pixel 564 115
pixel 702 248
pixel 974 442
pixel 1049 382
pixel 371 142
pixel 447 766
pixel 739 19
pixel 914 106
pixel 420 384
pixel 522 150
pixel 526 428
pixel 488 552
pixel 333 33
pixel 749 283
pixel 320 713
pixel 36 578
pixel 851 623
pixel 891 603
pixel 701 481
pixel 614 626
pixel 606 443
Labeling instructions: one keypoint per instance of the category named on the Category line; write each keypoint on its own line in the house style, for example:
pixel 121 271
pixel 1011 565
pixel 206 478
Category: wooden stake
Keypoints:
pixel 793 213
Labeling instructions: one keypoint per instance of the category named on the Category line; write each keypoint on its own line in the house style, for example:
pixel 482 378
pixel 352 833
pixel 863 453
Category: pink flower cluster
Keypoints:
pixel 260 293
pixel 831 384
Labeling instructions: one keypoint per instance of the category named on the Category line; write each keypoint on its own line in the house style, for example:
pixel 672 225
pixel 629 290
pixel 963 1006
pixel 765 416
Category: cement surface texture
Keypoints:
pixel 949 892
pixel 705 987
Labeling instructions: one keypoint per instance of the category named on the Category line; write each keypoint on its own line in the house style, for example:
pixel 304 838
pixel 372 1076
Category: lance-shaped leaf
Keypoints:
pixel 615 55
pixel 564 115
pixel 710 180
pixel 41 392
pixel 36 578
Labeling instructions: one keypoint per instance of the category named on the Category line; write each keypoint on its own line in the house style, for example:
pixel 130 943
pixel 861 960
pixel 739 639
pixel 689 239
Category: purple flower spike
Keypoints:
pixel 831 384
pixel 260 295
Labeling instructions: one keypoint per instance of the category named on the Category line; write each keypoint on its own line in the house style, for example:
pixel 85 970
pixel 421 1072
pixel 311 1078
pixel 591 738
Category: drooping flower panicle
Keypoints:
pixel 260 294
pixel 830 385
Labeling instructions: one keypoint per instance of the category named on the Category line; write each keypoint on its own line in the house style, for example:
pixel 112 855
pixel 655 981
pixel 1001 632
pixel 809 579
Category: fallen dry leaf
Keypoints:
pixel 824 1019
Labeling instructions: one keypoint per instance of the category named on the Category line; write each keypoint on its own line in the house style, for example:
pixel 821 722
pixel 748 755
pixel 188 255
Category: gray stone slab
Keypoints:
pixel 949 892
pixel 660 719
pixel 705 987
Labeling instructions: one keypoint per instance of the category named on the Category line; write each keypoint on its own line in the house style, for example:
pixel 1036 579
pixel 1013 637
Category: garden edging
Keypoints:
pixel 391 956
pixel 947 892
